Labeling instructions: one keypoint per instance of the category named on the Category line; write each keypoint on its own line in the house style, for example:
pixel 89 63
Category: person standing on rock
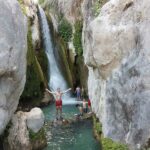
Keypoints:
pixel 89 105
pixel 58 100
pixel 78 92
pixel 84 103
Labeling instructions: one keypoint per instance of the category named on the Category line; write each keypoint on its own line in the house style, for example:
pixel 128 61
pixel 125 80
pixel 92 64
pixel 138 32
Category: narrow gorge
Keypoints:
pixel 101 46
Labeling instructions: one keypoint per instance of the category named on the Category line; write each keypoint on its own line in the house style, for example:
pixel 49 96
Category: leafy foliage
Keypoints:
pixel 65 30
pixel 77 38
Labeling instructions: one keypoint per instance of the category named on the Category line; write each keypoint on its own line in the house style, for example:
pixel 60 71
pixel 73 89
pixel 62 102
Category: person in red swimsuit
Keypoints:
pixel 58 100
pixel 89 105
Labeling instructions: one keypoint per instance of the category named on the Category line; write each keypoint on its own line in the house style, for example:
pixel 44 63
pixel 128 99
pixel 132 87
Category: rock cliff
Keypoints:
pixel 13 46
pixel 116 49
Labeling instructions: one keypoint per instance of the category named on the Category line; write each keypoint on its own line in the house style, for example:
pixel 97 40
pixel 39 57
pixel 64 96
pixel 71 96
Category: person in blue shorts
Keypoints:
pixel 78 93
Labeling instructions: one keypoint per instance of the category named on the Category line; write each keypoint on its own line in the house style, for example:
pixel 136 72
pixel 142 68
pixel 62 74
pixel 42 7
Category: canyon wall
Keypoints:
pixel 115 40
pixel 13 41
pixel 116 49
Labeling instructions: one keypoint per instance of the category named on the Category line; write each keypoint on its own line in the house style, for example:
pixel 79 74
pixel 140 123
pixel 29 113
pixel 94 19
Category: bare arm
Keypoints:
pixel 66 91
pixel 50 91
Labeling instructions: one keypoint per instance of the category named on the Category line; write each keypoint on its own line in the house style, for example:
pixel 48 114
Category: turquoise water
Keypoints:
pixel 76 136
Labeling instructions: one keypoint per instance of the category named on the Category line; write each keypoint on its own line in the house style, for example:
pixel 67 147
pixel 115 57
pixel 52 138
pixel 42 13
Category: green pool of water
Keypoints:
pixel 77 136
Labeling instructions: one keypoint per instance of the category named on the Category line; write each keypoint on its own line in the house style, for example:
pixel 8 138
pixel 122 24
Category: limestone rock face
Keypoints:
pixel 117 51
pixel 19 132
pixel 71 9
pixel 13 45
pixel 31 12
pixel 35 119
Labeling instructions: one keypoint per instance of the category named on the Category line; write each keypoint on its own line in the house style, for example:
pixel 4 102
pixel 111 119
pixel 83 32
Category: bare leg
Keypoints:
pixel 60 111
pixel 80 97
pixel 56 112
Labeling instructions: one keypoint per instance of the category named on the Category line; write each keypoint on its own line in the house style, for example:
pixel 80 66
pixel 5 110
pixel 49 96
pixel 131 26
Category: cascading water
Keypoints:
pixel 56 78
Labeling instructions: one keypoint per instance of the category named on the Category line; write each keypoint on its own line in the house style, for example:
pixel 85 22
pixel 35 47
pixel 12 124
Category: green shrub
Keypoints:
pixel 65 30
pixel 77 38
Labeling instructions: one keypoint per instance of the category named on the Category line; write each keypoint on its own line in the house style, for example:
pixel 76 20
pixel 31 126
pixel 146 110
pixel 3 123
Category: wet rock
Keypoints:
pixel 76 118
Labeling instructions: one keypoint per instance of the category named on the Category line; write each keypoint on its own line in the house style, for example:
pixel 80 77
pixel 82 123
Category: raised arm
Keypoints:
pixel 50 91
pixel 66 91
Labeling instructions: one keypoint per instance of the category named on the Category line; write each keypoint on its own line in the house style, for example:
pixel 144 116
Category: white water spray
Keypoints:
pixel 56 79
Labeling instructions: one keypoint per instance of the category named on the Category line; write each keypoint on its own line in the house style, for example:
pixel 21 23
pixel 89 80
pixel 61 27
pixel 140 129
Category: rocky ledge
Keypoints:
pixel 26 131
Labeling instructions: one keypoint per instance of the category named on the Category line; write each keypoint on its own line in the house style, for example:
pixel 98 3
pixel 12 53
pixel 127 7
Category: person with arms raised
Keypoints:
pixel 58 100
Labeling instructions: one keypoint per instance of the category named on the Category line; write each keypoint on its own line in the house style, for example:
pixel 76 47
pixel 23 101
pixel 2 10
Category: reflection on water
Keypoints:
pixel 77 136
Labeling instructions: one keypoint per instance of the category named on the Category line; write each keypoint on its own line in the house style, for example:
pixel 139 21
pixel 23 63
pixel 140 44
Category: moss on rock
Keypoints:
pixel 35 79
pixel 43 62
pixel 77 38
pixel 106 143
pixel 97 6
pixel 38 140
pixel 22 6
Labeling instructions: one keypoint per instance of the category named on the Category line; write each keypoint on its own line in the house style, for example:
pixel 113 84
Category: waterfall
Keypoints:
pixel 56 79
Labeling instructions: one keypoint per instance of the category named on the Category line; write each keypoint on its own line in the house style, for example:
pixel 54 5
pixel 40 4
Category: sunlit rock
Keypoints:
pixel 117 49
pixel 35 119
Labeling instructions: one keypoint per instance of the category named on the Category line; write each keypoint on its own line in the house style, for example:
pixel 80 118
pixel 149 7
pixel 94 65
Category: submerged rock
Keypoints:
pixel 13 46
pixel 76 118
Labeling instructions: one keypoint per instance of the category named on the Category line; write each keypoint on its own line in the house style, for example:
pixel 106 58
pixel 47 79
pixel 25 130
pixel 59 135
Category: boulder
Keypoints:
pixel 35 119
